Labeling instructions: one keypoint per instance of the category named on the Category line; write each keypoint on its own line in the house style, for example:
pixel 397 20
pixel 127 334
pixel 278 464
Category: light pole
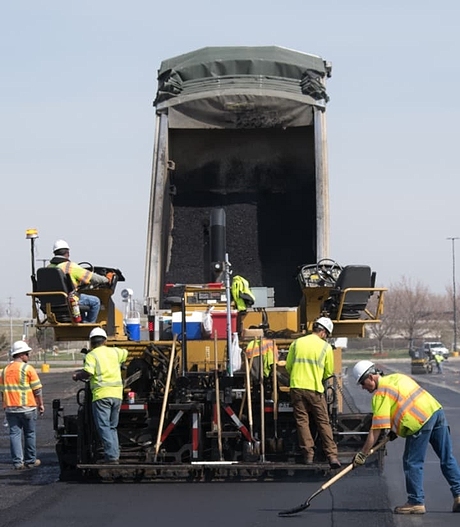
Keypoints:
pixel 452 239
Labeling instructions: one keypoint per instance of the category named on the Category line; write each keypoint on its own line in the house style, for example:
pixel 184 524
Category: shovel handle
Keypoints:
pixel 350 467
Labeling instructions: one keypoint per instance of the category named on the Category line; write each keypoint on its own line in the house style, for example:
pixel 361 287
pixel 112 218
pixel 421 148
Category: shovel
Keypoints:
pixel 330 482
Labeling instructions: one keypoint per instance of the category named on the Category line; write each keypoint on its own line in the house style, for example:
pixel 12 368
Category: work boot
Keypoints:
pixel 308 459
pixel 410 508
pixel 456 505
pixel 36 463
pixel 334 462
pixel 19 466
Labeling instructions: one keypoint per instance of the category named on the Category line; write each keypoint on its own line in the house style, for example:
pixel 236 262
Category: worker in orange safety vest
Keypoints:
pixel 22 396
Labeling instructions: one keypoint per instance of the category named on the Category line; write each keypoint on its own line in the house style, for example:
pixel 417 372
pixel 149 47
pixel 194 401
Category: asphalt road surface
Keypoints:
pixel 36 498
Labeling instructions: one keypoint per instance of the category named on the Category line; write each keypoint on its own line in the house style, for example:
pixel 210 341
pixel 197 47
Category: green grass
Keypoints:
pixel 370 354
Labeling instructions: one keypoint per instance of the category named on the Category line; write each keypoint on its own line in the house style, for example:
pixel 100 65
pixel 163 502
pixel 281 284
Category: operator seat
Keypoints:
pixel 53 279
pixel 351 276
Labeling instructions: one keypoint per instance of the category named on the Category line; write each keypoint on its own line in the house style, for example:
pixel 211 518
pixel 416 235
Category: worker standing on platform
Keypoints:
pixel 103 369
pixel 310 361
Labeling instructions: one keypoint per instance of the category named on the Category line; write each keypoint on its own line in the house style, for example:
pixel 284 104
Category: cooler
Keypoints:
pixel 193 321
pixel 219 323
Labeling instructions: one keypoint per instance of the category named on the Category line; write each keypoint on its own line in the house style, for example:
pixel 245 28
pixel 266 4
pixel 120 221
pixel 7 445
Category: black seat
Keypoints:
pixel 352 276
pixel 53 279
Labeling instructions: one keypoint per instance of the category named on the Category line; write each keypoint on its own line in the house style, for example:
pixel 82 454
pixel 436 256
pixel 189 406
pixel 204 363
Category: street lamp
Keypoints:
pixel 452 239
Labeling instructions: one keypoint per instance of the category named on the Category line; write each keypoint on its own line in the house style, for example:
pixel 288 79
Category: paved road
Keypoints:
pixel 35 498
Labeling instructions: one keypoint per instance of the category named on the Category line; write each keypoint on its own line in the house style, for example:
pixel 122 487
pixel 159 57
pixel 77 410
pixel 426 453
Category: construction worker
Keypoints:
pixel 401 406
pixel 103 369
pixel 439 360
pixel 310 361
pixel 22 395
pixel 80 277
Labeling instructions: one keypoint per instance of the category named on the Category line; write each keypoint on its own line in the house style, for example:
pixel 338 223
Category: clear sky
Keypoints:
pixel 77 124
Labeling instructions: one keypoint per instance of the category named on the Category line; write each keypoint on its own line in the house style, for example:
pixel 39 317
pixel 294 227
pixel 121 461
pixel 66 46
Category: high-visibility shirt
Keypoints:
pixel 401 404
pixel 309 362
pixel 241 293
pixel 18 380
pixel 438 358
pixel 78 274
pixel 265 347
pixel 103 364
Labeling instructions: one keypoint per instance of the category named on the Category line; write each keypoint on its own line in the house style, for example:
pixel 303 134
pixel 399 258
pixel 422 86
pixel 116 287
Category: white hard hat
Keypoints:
pixel 361 368
pixel 326 323
pixel 60 244
pixel 20 347
pixel 97 332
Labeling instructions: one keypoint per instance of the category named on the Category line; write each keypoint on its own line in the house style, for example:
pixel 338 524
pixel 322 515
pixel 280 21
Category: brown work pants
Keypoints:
pixel 303 403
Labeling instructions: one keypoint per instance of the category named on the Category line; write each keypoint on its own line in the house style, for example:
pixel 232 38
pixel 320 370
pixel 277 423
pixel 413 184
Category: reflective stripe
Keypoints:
pixel 401 404
pixel 103 364
pixel 18 381
pixel 315 362
pixel 310 360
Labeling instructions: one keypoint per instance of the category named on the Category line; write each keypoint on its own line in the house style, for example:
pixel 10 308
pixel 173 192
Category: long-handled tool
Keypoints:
pixel 330 482
pixel 262 406
pixel 165 397
pixel 217 387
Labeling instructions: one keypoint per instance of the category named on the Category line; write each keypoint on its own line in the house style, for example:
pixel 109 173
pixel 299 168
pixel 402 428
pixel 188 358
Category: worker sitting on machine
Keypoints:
pixel 80 277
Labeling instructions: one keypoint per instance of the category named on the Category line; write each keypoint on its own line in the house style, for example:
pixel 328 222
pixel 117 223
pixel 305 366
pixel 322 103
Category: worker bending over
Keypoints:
pixel 401 406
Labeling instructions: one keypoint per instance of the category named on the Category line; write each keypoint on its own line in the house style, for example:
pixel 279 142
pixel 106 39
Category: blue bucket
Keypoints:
pixel 133 328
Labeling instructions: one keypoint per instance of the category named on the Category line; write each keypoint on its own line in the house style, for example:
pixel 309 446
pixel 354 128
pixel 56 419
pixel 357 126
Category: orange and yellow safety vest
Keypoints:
pixel 18 381
pixel 401 404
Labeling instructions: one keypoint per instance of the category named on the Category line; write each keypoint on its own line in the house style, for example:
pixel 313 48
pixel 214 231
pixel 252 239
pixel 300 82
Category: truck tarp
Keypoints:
pixel 219 87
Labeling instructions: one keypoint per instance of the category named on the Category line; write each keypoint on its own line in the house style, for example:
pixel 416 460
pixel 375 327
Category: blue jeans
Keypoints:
pixel 94 305
pixel 436 432
pixel 20 422
pixel 106 412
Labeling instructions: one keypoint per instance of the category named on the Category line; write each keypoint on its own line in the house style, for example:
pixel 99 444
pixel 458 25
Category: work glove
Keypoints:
pixel 359 459
pixel 392 435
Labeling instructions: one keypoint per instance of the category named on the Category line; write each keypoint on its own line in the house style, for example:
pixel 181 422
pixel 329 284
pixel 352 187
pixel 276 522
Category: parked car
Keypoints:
pixel 435 348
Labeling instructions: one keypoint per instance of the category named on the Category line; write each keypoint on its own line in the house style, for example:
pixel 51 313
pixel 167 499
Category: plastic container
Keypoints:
pixel 133 326
pixel 193 322
pixel 219 323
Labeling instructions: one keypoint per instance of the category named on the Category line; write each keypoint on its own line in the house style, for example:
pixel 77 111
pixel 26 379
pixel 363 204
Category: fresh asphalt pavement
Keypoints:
pixel 35 497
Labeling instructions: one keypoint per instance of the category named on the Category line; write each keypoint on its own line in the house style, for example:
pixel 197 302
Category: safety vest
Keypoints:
pixel 265 347
pixel 18 380
pixel 78 274
pixel 401 404
pixel 242 295
pixel 103 364
pixel 309 362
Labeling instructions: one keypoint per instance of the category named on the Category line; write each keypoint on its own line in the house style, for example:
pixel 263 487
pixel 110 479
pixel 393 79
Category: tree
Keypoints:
pixel 388 320
pixel 411 309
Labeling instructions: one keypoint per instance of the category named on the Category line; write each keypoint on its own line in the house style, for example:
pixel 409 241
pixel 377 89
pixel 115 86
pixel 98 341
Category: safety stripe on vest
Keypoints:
pixel 98 377
pixel 406 404
pixel 22 388
pixel 258 346
pixel 315 362
pixel 67 268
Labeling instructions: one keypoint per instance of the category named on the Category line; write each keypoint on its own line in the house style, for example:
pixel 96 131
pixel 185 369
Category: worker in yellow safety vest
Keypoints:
pixel 265 348
pixel 80 277
pixel 22 396
pixel 310 361
pixel 402 407
pixel 103 369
